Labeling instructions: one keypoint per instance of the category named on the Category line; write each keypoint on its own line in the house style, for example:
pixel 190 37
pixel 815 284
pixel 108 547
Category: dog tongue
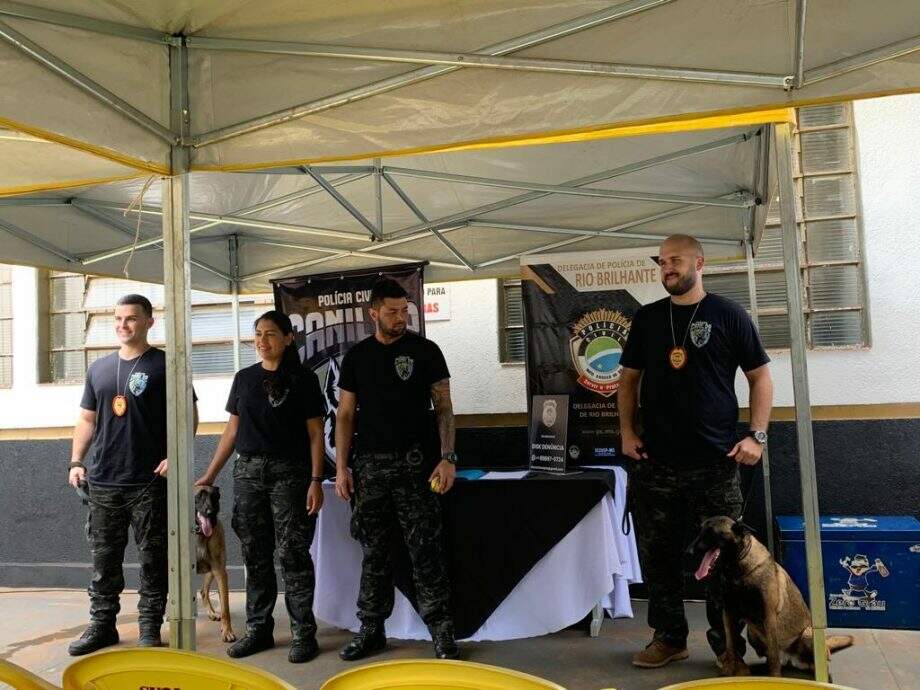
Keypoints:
pixel 706 566
pixel 205 524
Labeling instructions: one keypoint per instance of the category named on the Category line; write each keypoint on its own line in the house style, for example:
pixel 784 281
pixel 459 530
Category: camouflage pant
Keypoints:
pixel 269 510
pixel 107 531
pixel 669 505
pixel 393 494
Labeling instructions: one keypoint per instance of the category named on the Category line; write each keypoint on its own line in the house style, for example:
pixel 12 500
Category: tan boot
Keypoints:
pixel 659 653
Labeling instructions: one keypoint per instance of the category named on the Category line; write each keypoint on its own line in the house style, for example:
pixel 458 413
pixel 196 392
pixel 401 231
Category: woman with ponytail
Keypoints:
pixel 276 427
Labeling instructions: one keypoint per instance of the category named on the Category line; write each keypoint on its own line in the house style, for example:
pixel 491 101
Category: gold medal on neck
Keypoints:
pixel 119 405
pixel 677 357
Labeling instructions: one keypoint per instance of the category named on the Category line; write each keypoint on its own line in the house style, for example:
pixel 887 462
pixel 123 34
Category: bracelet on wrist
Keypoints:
pixel 316 479
pixel 76 463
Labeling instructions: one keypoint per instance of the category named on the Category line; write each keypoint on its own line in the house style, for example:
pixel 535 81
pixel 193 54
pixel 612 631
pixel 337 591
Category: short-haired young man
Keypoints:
pixel 123 419
pixel 389 381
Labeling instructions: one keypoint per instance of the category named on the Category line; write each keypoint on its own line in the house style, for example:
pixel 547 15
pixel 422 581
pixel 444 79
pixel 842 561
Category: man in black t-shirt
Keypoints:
pixel 390 381
pixel 123 418
pixel 686 349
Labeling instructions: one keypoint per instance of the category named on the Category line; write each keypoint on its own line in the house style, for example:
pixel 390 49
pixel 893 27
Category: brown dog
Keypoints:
pixel 211 555
pixel 757 590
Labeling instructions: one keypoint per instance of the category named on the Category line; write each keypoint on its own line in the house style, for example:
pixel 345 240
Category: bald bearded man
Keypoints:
pixel 686 349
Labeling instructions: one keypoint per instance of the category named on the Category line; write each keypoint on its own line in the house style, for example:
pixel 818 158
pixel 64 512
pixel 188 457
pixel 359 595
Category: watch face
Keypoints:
pixel 760 436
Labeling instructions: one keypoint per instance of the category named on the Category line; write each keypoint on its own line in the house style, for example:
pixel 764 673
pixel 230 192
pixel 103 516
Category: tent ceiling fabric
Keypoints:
pixel 279 81
pixel 615 192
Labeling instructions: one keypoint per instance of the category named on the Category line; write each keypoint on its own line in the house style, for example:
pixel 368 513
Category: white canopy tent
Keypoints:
pixel 524 110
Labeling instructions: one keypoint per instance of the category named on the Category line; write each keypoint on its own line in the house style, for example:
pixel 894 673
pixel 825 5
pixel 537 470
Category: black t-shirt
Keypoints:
pixel 126 450
pixel 690 415
pixel 273 407
pixel 393 388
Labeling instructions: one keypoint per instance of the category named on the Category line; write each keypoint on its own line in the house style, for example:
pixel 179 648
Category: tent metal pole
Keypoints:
pixel 36 241
pixel 477 60
pixel 179 408
pixel 76 21
pixel 739 200
pixel 578 182
pixel 552 230
pixel 343 202
pixel 342 255
pixel 866 59
pixel 556 31
pixel 378 194
pixel 806 447
pixel 213 220
pixel 798 56
pixel 765 459
pixel 84 83
pixel 407 200
pixel 611 231
pixel 86 205
pixel 233 254
pixel 33 201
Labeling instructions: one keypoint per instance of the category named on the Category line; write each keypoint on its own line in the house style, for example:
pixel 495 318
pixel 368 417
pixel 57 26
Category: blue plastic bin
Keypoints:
pixel 871 568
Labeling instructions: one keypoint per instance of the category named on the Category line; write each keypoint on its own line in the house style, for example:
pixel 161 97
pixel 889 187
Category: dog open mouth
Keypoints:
pixel 204 524
pixel 709 560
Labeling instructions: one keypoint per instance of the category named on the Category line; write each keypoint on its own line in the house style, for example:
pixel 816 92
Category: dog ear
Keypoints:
pixel 740 529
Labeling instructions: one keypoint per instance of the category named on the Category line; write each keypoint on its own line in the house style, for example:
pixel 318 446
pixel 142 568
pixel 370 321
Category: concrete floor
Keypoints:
pixel 36 626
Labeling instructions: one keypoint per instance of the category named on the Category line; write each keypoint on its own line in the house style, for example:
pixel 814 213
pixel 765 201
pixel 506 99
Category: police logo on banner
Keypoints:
pixel 137 383
pixel 404 365
pixel 700 332
pixel 596 347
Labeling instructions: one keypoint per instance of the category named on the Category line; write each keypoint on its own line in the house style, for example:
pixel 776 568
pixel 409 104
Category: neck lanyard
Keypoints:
pixel 120 401
pixel 677 355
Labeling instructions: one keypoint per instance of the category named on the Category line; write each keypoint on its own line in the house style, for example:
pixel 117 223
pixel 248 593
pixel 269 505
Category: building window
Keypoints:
pixel 511 326
pixel 6 327
pixel 830 237
pixel 82 324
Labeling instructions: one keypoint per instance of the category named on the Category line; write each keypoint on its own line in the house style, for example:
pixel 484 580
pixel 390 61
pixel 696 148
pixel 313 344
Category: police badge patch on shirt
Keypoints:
pixel 137 383
pixel 699 332
pixel 404 366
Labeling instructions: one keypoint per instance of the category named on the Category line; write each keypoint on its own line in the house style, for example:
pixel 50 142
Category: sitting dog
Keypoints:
pixel 757 590
pixel 212 557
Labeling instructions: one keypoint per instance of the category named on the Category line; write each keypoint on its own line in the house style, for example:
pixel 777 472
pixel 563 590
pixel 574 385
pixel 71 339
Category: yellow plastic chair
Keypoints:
pixel 17 677
pixel 748 683
pixel 130 669
pixel 422 674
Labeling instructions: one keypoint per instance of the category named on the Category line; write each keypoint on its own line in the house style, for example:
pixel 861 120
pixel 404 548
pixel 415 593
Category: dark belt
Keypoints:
pixel 266 456
pixel 413 455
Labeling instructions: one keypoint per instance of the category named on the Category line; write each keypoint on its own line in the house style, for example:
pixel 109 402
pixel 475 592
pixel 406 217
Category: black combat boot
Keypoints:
pixel 370 638
pixel 253 641
pixel 442 635
pixel 149 634
pixel 303 649
pixel 95 637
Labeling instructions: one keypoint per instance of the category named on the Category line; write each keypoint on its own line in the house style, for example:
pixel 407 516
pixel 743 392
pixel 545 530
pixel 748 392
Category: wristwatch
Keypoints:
pixel 450 457
pixel 759 436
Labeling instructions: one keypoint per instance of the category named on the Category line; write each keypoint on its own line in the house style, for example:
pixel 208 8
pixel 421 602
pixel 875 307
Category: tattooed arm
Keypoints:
pixel 444 410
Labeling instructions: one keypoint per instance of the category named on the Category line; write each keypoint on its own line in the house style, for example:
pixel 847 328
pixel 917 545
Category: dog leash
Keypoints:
pixel 82 492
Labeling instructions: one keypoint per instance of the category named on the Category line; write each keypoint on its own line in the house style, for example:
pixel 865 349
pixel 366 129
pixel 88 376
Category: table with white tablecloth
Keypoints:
pixel 592 564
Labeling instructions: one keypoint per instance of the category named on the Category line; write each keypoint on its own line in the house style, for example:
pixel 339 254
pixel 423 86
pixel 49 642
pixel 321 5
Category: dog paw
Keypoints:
pixel 213 616
pixel 741 669
pixel 227 636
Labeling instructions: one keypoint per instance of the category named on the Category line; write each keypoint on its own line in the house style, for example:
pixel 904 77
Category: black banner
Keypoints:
pixel 578 309
pixel 330 313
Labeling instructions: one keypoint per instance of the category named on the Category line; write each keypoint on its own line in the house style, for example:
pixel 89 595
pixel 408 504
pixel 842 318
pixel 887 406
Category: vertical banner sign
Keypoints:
pixel 578 308
pixel 330 313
